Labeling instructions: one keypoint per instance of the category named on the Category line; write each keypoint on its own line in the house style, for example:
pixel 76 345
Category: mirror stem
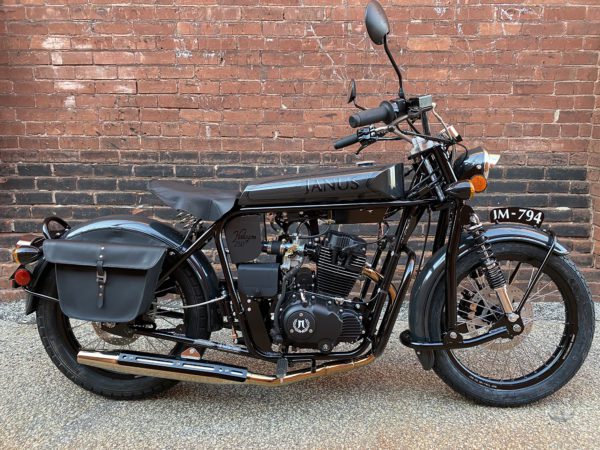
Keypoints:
pixel 396 68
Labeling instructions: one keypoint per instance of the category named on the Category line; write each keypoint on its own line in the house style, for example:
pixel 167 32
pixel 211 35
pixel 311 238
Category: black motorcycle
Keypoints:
pixel 126 305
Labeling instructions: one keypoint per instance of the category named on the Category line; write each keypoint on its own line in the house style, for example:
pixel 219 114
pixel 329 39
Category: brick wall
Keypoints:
pixel 97 98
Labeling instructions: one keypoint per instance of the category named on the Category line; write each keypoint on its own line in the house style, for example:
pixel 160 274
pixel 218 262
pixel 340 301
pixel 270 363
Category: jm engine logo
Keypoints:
pixel 332 184
pixel 301 325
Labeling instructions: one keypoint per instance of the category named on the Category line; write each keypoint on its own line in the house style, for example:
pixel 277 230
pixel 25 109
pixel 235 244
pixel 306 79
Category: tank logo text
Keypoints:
pixel 332 184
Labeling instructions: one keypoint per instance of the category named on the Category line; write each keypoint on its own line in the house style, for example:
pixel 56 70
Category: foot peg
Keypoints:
pixel 282 368
pixel 192 353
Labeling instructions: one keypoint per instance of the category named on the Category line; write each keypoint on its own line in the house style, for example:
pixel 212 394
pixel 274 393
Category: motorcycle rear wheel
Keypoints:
pixel 62 342
pixel 486 378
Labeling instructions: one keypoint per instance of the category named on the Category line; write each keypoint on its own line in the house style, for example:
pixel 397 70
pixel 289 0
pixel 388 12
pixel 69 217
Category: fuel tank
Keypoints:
pixel 377 183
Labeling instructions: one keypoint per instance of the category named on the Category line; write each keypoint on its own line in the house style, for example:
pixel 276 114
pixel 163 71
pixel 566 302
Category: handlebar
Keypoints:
pixel 385 112
pixel 346 141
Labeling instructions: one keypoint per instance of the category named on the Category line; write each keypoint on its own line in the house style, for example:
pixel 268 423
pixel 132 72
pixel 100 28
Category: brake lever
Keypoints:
pixel 364 145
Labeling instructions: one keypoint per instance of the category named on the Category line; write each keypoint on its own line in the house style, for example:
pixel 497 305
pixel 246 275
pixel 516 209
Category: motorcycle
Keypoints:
pixel 126 305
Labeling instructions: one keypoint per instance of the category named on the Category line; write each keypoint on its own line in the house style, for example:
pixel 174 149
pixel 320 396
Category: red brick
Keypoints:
pixel 50 42
pixel 116 58
pixel 160 87
pixel 117 87
pixel 95 73
pixel 71 58
pixel 429 44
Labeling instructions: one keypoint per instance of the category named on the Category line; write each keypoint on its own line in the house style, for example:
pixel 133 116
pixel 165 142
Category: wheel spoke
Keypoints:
pixel 511 360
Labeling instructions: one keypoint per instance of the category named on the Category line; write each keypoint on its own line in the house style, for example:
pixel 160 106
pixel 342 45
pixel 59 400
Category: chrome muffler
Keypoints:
pixel 180 369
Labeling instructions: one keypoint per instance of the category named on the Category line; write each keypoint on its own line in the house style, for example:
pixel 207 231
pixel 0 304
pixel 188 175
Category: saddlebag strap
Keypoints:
pixel 101 280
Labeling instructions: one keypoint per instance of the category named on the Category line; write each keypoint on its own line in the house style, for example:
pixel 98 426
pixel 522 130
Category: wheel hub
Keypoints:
pixel 488 309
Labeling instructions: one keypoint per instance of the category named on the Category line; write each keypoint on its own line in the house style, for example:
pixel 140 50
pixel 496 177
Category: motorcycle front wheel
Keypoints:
pixel 63 337
pixel 558 320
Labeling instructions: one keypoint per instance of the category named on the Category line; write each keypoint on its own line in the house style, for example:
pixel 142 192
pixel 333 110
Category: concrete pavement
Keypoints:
pixel 392 403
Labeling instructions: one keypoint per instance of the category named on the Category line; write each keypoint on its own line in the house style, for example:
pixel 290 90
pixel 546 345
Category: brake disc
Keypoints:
pixel 111 338
pixel 488 304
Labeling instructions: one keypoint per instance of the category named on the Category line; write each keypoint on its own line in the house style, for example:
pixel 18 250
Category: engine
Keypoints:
pixel 311 303
pixel 317 313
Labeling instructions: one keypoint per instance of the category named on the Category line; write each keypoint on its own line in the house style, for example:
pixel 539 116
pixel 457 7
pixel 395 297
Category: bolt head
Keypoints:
pixel 453 335
pixel 517 328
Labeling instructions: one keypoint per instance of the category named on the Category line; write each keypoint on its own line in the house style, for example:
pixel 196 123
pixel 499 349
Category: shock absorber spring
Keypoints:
pixel 491 269
pixel 493 273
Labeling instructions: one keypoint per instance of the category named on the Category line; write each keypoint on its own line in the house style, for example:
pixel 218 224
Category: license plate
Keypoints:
pixel 527 216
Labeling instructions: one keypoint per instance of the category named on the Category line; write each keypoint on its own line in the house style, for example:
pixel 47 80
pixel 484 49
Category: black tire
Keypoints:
pixel 62 347
pixel 577 335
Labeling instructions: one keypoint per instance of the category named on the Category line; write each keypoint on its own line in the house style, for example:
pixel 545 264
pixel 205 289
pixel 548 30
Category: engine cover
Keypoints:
pixel 313 320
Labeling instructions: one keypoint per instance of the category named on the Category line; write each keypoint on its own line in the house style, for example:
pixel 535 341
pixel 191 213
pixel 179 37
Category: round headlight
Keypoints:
pixel 475 162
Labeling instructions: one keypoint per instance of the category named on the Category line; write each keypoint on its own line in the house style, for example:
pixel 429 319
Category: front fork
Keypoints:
pixel 466 219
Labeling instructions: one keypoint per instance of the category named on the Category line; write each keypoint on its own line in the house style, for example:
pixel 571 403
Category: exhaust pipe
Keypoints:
pixel 204 371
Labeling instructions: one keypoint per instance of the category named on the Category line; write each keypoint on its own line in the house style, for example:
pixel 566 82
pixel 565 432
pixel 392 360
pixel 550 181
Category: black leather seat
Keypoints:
pixel 204 203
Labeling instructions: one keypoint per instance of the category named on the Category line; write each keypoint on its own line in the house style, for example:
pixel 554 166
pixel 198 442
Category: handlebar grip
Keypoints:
pixel 383 113
pixel 346 141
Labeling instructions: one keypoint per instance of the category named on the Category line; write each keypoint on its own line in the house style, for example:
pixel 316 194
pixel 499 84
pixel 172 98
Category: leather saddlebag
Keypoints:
pixel 104 282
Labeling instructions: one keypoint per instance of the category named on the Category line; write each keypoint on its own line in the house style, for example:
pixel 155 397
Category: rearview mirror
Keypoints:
pixel 352 92
pixel 376 22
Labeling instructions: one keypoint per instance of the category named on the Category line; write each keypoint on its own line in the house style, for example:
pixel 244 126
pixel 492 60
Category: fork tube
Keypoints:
pixel 441 230
pixel 425 123
pixel 461 214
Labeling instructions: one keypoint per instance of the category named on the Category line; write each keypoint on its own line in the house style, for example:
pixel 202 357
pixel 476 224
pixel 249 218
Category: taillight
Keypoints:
pixel 22 277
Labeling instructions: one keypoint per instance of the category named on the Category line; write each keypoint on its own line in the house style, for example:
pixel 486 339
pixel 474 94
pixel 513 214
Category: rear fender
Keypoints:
pixel 433 273
pixel 134 230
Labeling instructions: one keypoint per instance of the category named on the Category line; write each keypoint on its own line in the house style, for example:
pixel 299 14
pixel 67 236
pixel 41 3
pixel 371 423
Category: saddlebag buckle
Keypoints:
pixel 101 280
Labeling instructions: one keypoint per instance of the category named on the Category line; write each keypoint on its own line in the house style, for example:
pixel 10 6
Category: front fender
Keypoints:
pixel 133 230
pixel 433 272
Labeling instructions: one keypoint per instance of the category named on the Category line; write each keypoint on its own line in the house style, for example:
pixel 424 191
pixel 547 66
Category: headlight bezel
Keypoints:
pixel 475 162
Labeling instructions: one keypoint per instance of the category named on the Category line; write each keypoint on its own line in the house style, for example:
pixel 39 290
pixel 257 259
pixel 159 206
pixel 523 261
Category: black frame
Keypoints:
pixel 376 337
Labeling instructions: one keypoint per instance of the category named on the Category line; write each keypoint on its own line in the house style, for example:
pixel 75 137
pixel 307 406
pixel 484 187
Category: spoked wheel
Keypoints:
pixel 558 320
pixel 63 338
pixel 166 313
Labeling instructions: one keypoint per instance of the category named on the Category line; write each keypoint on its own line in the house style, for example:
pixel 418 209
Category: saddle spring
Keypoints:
pixel 187 220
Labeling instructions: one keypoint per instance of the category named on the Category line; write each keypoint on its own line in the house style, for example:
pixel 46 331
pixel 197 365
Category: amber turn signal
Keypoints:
pixel 479 183
pixel 25 254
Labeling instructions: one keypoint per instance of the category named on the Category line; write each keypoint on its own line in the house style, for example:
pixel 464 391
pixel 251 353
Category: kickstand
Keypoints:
pixel 282 367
